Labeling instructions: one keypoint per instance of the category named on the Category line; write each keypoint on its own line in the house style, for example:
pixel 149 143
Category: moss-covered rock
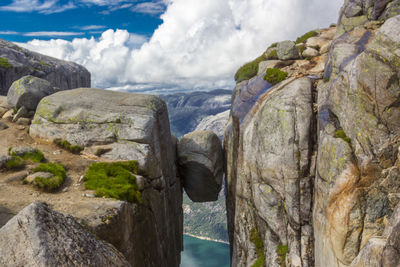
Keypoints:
pixel 53 183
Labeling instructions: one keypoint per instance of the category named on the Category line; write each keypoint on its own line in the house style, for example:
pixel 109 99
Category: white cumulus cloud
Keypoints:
pixel 199 45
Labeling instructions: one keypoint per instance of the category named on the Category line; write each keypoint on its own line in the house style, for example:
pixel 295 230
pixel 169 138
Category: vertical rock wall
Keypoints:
pixel 313 165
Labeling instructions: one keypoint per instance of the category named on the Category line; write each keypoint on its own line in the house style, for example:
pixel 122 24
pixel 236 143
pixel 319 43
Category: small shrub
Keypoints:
pixel 75 149
pixel 282 250
pixel 4 63
pixel 249 70
pixel 256 240
pixel 304 37
pixel 272 55
pixel 341 134
pixel 114 180
pixel 275 75
pixel 15 164
pixel 52 183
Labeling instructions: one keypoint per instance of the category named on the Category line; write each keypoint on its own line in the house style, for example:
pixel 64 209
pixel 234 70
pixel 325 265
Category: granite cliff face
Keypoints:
pixel 16 62
pixel 313 161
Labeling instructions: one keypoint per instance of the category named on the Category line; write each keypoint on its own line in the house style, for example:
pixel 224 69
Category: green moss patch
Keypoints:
pixel 304 37
pixel 282 250
pixel 249 70
pixel 75 149
pixel 114 180
pixel 36 156
pixel 275 75
pixel 15 164
pixel 52 183
pixel 5 64
pixel 341 134
pixel 257 241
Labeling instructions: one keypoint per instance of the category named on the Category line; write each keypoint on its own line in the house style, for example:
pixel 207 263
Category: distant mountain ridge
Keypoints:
pixel 186 110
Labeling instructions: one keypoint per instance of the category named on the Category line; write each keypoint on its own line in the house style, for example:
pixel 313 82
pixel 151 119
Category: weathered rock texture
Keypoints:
pixel 125 127
pixel 356 188
pixel 28 91
pixel 21 62
pixel 200 162
pixel 215 123
pixel 314 165
pixel 39 236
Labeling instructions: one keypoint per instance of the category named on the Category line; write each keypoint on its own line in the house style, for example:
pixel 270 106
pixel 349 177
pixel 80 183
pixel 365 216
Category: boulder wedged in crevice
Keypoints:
pixel 200 163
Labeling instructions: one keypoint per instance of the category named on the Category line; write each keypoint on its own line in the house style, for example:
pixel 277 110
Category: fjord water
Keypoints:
pixel 204 253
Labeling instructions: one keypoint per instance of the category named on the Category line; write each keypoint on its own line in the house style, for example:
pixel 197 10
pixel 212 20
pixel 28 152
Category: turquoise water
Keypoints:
pixel 204 253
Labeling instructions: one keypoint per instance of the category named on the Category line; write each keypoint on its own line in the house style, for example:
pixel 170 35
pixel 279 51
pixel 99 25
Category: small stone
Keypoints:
pixel 31 178
pixel 91 195
pixel 81 178
pixel 8 115
pixel 3 126
pixel 24 121
pixel 310 52
pixel 57 152
pixel 3 111
pixel 20 127
pixel 22 112
pixel 65 190
pixel 3 160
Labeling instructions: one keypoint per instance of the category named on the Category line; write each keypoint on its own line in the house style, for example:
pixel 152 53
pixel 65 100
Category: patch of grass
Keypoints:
pixel 15 164
pixel 275 75
pixel 341 134
pixel 257 241
pixel 249 70
pixel 52 183
pixel 272 55
pixel 114 180
pixel 304 37
pixel 36 156
pixel 75 149
pixel 5 64
pixel 282 250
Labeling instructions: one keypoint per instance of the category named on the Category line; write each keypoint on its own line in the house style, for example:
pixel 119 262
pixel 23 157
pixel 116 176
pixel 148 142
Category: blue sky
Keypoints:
pixel 160 45
pixel 23 20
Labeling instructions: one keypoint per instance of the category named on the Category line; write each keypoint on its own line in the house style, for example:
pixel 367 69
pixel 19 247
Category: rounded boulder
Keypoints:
pixel 28 91
pixel 200 162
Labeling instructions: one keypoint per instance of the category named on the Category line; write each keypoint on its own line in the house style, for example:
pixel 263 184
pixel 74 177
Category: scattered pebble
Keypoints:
pixel 88 195
pixel 57 152
pixel 20 127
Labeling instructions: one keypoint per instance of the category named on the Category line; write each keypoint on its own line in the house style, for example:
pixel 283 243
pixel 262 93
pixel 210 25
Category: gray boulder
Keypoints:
pixel 28 91
pixel 39 236
pixel 287 50
pixel 18 62
pixel 201 165
pixel 123 126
